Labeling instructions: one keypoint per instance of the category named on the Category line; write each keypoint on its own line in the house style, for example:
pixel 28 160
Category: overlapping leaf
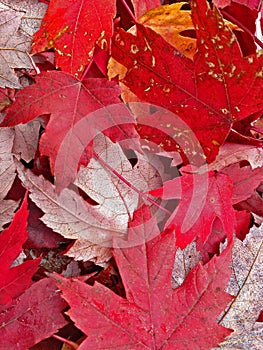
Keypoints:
pixel 153 316
pixel 19 20
pixel 173 22
pixel 26 139
pixel 14 48
pixel 185 260
pixel 170 21
pixel 93 227
pixel 34 316
pixel 141 6
pixel 219 87
pixel 7 166
pixel 14 280
pixel 196 212
pixel 69 215
pixel 245 181
pixel 231 153
pixel 119 193
pixel 7 176
pixel 246 285
pixel 32 13
pixel 73 29
pixel 69 101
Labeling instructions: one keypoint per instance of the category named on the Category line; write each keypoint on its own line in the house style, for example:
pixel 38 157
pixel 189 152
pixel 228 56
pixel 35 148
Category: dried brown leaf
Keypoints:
pixel 7 166
pixel 7 209
pixel 26 140
pixel 117 200
pixel 185 261
pixel 246 285
pixel 14 48
pixel 32 13
pixel 7 175
pixel 94 226
pixel 69 215
pixel 19 20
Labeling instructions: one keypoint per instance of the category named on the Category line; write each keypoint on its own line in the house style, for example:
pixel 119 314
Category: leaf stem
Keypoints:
pixel 33 64
pixel 129 10
pixel 237 22
pixel 66 341
pixel 143 195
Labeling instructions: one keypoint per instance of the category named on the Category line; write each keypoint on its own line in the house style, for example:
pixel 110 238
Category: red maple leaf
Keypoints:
pixel 33 316
pixel 217 88
pixel 245 180
pixel 202 105
pixel 69 101
pixel 73 29
pixel 15 280
pixel 197 210
pixel 153 315
pixel 29 312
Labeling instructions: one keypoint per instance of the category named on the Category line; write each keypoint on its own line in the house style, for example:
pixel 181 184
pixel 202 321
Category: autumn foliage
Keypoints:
pixel 131 201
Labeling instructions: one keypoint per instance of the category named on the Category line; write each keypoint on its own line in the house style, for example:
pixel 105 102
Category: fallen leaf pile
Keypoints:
pixel 131 172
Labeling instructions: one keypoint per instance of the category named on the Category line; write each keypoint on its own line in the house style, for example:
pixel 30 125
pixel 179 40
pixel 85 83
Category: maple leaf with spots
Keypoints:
pixel 73 29
pixel 71 103
pixel 210 93
pixel 126 118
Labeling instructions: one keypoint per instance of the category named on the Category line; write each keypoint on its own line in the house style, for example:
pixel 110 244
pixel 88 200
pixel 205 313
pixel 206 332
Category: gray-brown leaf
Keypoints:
pixel 69 215
pixel 7 176
pixel 246 285
pixel 32 13
pixel 15 48
pixel 26 140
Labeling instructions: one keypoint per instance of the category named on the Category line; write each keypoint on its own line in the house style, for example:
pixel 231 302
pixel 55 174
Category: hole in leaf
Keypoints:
pixel 244 163
pixel 260 318
pixel 28 165
pixel 83 194
pixel 131 156
pixel 189 33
